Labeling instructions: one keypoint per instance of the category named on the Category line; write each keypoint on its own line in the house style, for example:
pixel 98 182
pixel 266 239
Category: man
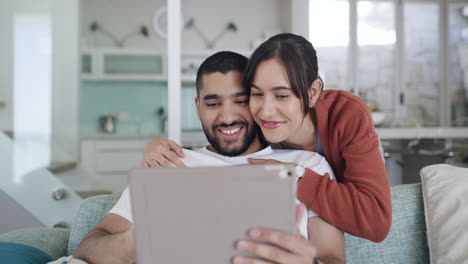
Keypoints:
pixel 222 107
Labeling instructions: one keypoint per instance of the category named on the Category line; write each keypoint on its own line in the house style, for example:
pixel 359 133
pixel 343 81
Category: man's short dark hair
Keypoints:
pixel 223 62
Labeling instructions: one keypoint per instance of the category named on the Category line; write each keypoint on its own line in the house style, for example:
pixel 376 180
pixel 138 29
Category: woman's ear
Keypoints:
pixel 314 91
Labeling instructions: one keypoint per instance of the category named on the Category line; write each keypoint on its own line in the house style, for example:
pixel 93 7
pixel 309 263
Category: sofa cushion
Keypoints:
pixel 445 191
pixel 52 241
pixel 90 213
pixel 22 254
pixel 406 242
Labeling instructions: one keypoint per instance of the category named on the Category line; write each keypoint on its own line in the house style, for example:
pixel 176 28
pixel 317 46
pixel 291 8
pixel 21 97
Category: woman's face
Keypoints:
pixel 274 106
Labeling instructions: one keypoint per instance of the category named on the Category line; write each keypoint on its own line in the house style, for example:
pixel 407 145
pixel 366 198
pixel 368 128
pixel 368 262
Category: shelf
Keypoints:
pixel 111 64
pixel 126 77
pixel 187 79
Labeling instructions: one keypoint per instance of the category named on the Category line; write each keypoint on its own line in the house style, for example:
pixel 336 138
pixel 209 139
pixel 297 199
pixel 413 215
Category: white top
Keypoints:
pixel 206 158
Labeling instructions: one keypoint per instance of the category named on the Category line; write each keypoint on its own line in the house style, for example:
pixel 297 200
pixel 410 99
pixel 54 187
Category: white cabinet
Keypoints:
pixel 111 156
pixel 111 159
pixel 123 65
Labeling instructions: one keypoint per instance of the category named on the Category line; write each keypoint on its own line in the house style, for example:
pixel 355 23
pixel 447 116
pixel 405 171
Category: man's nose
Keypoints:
pixel 228 114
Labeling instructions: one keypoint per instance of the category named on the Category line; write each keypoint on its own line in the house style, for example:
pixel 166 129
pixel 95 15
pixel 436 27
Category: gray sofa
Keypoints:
pixel 406 242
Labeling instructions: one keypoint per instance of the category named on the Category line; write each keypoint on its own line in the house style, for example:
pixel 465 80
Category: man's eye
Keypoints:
pixel 242 102
pixel 212 104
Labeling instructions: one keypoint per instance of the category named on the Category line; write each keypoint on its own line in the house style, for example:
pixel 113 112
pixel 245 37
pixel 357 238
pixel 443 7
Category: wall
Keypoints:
pixel 65 79
pixel 255 20
pixel 135 105
pixel 252 18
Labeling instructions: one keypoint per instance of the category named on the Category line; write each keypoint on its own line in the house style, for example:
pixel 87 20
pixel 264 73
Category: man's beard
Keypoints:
pixel 247 140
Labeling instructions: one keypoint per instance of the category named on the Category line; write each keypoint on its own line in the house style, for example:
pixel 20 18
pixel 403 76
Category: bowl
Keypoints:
pixel 378 118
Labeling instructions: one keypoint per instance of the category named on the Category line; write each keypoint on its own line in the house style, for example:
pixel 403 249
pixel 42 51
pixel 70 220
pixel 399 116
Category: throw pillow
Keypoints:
pixel 22 254
pixel 445 194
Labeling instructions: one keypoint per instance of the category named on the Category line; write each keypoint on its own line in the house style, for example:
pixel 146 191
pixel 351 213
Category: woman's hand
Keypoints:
pixel 283 248
pixel 162 153
pixel 268 161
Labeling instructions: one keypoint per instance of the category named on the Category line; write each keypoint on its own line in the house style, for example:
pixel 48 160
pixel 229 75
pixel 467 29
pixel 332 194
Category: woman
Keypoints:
pixel 287 102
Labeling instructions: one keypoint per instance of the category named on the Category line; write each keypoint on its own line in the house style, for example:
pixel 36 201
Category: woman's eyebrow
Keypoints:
pixel 274 88
pixel 240 94
pixel 254 86
pixel 281 88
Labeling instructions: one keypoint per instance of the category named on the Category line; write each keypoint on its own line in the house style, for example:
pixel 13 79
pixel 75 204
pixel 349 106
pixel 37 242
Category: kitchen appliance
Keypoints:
pixel 107 123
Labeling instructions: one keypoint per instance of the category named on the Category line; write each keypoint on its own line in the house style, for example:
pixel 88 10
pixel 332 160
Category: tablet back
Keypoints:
pixel 195 215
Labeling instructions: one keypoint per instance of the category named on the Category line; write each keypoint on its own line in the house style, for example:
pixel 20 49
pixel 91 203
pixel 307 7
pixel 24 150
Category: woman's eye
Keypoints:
pixel 282 96
pixel 256 94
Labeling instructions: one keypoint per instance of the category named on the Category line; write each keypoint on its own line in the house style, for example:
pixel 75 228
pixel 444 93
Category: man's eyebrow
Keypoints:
pixel 210 97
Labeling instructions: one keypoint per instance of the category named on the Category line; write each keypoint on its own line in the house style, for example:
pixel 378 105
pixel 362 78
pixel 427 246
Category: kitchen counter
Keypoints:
pixel 192 138
pixel 420 133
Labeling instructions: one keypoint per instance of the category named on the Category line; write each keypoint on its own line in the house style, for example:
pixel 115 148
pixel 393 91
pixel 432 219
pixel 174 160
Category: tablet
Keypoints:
pixel 195 215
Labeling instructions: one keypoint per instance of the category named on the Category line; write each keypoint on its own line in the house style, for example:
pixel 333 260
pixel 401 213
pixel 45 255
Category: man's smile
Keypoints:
pixel 230 133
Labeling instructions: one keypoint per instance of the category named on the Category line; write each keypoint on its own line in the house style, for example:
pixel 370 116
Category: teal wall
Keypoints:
pixel 139 99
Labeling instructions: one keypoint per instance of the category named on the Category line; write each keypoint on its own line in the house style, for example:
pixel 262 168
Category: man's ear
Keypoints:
pixel 314 91
pixel 197 105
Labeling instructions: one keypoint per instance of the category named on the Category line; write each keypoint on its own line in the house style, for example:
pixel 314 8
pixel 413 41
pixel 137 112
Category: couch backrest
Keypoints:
pixel 90 213
pixel 406 242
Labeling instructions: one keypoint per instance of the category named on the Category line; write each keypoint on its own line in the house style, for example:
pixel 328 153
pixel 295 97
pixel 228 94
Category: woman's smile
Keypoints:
pixel 272 124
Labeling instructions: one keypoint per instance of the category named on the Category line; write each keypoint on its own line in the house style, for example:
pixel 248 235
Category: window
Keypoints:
pixel 407 58
pixel 332 49
pixel 376 39
pixel 458 63
pixel 32 44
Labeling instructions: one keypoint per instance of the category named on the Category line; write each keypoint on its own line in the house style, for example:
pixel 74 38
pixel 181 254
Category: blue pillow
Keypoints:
pixel 21 254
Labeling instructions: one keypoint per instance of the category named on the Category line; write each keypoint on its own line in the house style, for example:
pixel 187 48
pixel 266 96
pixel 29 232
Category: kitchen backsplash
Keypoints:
pixel 135 105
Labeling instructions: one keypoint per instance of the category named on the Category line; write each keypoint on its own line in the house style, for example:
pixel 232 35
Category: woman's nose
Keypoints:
pixel 267 108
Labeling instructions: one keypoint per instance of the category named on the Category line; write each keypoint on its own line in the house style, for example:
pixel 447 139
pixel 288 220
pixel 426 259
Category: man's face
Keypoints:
pixel 223 109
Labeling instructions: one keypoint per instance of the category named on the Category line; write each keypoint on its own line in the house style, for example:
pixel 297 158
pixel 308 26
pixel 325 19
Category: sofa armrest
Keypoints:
pixel 53 241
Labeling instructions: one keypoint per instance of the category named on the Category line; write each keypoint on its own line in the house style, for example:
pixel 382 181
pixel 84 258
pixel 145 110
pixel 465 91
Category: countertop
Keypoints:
pixel 189 138
pixel 198 137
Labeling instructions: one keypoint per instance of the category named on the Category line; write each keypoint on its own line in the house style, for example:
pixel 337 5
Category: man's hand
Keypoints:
pixel 283 248
pixel 162 153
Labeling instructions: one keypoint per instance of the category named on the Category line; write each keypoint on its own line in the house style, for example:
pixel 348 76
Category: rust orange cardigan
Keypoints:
pixel 358 201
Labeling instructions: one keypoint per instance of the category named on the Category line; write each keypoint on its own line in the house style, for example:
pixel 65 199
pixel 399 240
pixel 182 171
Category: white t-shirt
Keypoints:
pixel 205 158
